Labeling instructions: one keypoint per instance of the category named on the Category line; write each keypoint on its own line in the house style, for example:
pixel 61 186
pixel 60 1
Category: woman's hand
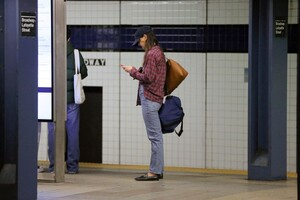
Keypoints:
pixel 127 68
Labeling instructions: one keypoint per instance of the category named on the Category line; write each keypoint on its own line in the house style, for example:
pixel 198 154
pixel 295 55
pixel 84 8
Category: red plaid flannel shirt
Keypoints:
pixel 152 75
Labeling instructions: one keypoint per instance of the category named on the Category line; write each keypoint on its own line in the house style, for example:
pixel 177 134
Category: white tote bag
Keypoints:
pixel 79 96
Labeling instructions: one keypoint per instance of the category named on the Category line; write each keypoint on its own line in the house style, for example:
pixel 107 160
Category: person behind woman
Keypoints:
pixel 73 115
pixel 151 79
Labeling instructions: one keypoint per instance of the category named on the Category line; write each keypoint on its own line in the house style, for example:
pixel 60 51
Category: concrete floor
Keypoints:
pixel 115 184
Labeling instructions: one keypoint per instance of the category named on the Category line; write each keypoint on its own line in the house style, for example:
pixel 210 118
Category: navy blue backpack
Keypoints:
pixel 171 115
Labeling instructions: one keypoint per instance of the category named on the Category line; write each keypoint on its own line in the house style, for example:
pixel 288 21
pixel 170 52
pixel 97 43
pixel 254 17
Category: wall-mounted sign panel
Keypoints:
pixel 45 61
pixel 280 27
pixel 28 24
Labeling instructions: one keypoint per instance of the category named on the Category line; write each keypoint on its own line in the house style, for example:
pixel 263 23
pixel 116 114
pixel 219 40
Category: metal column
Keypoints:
pixel 267 90
pixel 18 173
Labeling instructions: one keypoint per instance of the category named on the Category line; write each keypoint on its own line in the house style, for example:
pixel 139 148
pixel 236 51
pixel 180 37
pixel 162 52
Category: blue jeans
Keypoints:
pixel 72 130
pixel 153 127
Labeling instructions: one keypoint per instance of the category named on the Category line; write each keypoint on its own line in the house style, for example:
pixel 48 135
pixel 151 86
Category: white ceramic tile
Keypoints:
pixel 222 72
pixel 293 12
pixel 291 112
pixel 228 12
pixel 93 12
pixel 163 12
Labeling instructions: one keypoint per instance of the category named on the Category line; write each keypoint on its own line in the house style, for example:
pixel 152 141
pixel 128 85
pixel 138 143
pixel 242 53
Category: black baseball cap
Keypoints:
pixel 140 32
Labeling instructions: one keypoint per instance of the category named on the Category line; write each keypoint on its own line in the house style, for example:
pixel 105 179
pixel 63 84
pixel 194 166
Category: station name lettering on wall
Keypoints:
pixel 95 61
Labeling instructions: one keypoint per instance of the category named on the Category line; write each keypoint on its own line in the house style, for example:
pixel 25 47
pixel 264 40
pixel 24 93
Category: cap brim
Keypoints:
pixel 135 42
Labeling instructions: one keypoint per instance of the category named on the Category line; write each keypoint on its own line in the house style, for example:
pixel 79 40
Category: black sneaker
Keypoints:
pixel 147 178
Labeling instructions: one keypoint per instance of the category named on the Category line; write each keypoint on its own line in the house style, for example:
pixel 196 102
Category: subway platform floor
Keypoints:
pixel 115 184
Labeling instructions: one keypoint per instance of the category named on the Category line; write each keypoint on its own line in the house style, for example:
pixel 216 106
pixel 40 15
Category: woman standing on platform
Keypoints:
pixel 151 79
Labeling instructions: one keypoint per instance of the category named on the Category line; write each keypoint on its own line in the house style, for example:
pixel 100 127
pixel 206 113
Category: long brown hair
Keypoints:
pixel 151 42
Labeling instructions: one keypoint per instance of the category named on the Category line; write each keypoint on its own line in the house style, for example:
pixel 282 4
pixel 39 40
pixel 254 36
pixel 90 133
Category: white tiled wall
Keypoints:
pixel 163 12
pixel 293 11
pixel 214 95
pixel 133 147
pixel 227 107
pixel 189 149
pixel 93 12
pixel 291 112
pixel 228 12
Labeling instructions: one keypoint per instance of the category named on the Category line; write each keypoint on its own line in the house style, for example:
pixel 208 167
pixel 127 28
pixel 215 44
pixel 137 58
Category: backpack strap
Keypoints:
pixel 181 130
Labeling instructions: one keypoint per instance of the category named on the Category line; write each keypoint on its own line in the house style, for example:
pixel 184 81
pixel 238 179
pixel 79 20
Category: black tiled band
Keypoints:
pixel 172 38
